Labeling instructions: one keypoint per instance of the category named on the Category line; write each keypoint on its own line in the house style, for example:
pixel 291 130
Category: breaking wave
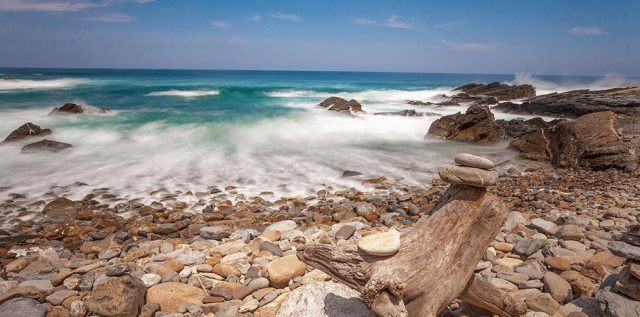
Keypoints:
pixel 185 93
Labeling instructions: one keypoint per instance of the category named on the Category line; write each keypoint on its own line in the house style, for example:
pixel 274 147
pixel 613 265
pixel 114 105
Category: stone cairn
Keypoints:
pixel 471 170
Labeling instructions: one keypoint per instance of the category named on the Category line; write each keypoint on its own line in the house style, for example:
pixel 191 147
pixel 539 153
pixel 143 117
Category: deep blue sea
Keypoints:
pixel 257 130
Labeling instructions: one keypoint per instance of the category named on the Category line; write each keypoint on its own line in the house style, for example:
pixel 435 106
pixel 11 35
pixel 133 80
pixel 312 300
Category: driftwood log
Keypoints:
pixel 435 263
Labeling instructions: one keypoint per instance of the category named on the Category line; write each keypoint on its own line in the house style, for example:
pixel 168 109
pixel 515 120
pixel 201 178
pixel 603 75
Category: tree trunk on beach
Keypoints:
pixel 435 263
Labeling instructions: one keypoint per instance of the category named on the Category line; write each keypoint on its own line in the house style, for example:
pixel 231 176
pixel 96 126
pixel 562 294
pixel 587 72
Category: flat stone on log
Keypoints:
pixel 465 159
pixel 380 244
pixel 462 175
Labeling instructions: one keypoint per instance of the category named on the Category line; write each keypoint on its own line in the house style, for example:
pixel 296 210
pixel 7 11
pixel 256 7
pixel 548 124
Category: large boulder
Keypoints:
pixel 341 105
pixel 45 146
pixel 117 297
pixel 610 303
pixel 72 108
pixel 476 125
pixel 597 141
pixel 324 299
pixel 25 131
pixel 519 127
pixel 577 103
pixel 500 91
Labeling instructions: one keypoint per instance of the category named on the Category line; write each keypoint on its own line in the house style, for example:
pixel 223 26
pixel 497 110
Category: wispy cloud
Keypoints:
pixel 392 22
pixel 582 30
pixel 221 24
pixel 471 47
pixel 282 16
pixel 59 5
pixel 109 17
pixel 255 18
pixel 448 25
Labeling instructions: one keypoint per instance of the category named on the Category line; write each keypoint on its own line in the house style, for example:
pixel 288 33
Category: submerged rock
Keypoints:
pixel 72 108
pixel 45 146
pixel 341 105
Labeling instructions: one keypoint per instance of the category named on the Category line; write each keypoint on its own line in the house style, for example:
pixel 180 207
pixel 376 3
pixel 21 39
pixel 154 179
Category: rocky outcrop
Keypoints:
pixel 476 125
pixel 72 108
pixel 598 141
pixel 574 104
pixel 517 128
pixel 500 91
pixel 27 130
pixel 407 113
pixel 341 105
pixel 45 146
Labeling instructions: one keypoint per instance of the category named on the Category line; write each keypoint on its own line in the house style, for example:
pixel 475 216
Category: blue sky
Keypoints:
pixel 581 37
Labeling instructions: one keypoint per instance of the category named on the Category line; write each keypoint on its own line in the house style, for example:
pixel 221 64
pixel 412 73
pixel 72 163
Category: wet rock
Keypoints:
pixel 476 125
pixel 341 105
pixel 45 146
pixel 72 108
pixel 501 91
pixel 27 130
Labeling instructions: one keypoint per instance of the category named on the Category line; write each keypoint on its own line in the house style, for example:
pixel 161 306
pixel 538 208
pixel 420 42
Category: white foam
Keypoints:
pixel 377 95
pixel 185 93
pixel 27 84
pixel 544 87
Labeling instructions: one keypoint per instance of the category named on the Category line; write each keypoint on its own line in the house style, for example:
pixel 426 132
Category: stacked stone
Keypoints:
pixel 628 247
pixel 470 170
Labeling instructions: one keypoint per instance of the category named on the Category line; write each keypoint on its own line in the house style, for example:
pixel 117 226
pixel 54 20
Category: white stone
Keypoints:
pixel 465 159
pixel 282 226
pixel 324 299
pixel 380 244
pixel 151 279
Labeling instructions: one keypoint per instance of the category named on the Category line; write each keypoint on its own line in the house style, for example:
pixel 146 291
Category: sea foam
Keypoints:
pixel 27 84
pixel 185 93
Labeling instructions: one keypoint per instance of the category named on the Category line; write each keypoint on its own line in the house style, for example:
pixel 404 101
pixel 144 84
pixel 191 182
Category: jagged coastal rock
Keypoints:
pixel 25 131
pixel 341 105
pixel 577 103
pixel 476 125
pixel 500 91
pixel 72 108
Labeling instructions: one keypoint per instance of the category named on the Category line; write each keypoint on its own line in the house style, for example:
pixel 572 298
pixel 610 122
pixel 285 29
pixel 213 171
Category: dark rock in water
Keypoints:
pixel 45 145
pixel 477 100
pixel 26 130
pixel 419 103
pixel 23 307
pixel 349 173
pixel 407 113
pixel 72 108
pixel 610 303
pixel 574 104
pixel 341 105
pixel 476 125
pixel 502 92
pixel 597 141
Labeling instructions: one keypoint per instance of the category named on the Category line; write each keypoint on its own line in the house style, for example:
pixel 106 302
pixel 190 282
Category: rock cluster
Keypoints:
pixel 577 103
pixel 341 105
pixel 72 108
pixel 477 125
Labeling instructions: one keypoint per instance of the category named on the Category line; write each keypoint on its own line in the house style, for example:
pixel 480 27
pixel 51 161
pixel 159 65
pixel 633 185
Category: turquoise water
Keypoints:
pixel 258 130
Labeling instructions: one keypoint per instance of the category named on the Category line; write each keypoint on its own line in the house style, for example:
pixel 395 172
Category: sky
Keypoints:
pixel 561 37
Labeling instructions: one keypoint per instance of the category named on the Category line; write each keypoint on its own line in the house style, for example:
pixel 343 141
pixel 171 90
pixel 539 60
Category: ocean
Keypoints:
pixel 193 130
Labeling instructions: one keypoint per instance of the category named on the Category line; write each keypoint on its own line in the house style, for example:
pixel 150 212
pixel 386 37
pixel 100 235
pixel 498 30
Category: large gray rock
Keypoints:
pixel 613 304
pixel 22 307
pixel 454 174
pixel 324 299
pixel 45 146
pixel 215 233
pixel 624 250
pixel 529 246
pixel 513 219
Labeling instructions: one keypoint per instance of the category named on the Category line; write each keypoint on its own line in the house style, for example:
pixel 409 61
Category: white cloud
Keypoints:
pixel 282 16
pixel 471 47
pixel 392 22
pixel 109 17
pixel 255 18
pixel 59 5
pixel 221 24
pixel 581 30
